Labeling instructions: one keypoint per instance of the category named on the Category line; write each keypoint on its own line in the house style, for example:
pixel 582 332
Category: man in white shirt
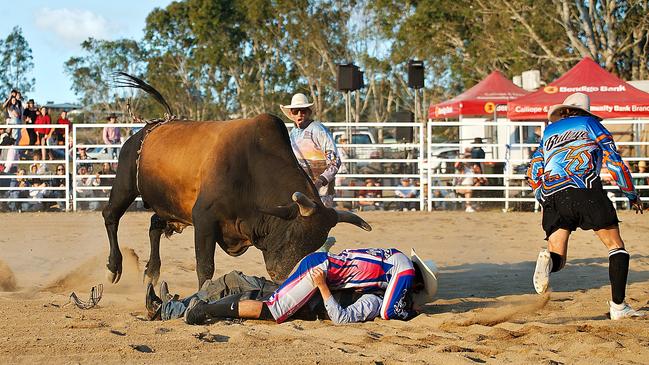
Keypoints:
pixel 313 146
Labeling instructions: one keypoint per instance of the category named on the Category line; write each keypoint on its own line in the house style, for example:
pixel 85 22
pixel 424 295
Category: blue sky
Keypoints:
pixel 54 30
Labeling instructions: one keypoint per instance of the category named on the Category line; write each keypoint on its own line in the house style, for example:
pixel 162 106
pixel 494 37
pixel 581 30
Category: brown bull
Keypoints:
pixel 232 181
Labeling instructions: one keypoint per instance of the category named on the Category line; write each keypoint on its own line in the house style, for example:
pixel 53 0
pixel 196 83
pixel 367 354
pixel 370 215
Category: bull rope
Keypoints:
pixel 153 123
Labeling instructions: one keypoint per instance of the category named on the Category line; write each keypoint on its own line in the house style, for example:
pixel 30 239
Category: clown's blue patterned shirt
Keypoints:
pixel 570 156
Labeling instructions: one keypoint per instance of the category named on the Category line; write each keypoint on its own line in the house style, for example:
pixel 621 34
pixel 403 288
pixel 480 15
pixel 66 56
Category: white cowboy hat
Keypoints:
pixel 298 101
pixel 579 101
pixel 429 272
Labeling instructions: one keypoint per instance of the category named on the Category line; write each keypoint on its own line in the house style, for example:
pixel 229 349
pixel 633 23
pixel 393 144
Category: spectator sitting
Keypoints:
pixel 366 205
pixel 41 168
pixel 19 182
pixel 106 169
pixel 406 190
pixel 642 169
pixel 36 182
pixel 83 155
pixel 58 182
pixel 84 181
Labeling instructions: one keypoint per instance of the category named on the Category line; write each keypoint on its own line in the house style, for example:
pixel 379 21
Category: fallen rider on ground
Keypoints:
pixel 366 283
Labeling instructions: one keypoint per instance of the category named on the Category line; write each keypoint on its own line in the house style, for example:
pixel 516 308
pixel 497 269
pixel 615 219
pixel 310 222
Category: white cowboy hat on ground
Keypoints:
pixel 429 272
pixel 579 101
pixel 298 101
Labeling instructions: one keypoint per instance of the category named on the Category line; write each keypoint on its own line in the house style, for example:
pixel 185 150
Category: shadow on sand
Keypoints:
pixel 483 280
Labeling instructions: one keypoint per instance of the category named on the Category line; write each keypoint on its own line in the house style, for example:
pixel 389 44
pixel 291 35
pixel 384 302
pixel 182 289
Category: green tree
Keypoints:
pixel 16 63
pixel 92 73
pixel 465 40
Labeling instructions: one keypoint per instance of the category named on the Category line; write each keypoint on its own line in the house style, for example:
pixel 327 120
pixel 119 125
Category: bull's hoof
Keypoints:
pixel 113 277
pixel 150 278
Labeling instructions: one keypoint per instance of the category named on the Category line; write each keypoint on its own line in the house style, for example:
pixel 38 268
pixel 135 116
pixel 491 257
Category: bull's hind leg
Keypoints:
pixel 115 209
pixel 122 194
pixel 152 270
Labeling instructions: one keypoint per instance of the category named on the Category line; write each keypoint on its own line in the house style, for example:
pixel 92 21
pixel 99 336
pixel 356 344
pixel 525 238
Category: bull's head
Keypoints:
pixel 309 223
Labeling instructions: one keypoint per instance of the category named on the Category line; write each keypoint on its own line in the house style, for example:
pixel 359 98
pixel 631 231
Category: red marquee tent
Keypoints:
pixel 492 92
pixel 610 97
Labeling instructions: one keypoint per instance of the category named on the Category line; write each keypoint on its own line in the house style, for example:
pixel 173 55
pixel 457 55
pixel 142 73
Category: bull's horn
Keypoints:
pixel 349 217
pixel 306 205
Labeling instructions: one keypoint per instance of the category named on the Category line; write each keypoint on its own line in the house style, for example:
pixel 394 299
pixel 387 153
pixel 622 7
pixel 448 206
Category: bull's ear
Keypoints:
pixel 349 217
pixel 286 212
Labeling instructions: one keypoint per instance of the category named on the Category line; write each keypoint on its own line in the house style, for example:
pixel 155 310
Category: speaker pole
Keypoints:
pixel 348 118
pixel 416 105
pixel 358 109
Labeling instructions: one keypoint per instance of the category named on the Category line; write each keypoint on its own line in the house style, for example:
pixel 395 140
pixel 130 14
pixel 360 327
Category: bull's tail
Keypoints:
pixel 122 79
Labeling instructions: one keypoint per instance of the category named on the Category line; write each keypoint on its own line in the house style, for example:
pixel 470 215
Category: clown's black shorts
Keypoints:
pixel 578 208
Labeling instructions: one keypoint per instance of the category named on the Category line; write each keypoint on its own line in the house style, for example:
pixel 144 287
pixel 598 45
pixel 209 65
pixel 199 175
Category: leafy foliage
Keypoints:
pixel 15 63
pixel 223 59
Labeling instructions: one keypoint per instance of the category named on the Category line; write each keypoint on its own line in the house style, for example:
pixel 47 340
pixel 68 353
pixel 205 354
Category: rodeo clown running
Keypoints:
pixel 564 173
pixel 394 286
pixel 313 147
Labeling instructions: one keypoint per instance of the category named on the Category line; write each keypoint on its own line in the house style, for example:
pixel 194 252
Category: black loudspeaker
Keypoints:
pixel 359 83
pixel 415 74
pixel 346 77
pixel 403 134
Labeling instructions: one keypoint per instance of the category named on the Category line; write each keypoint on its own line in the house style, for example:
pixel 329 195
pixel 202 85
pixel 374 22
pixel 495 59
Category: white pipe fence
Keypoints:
pixel 88 188
pixel 374 171
pixel 35 187
pixel 374 165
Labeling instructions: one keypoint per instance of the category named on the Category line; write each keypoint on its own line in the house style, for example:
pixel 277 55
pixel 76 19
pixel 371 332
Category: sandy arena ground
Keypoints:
pixel 486 312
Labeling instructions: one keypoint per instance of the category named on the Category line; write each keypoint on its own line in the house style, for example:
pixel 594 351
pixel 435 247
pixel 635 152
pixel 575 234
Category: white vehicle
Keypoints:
pixel 438 163
pixel 98 153
pixel 359 137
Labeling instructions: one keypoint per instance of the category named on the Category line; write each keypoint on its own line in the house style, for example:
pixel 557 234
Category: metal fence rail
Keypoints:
pixel 374 173
pixel 376 165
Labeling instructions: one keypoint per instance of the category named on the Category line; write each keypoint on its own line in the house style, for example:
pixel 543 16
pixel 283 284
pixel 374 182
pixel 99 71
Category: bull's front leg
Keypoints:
pixel 206 232
pixel 152 270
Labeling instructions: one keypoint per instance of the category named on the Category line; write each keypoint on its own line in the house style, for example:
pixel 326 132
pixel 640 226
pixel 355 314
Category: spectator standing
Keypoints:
pixel 112 135
pixel 59 133
pixel 464 183
pixel 44 134
pixel 29 117
pixel 14 111
pixel 313 147
pixel 406 190
pixel 477 152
